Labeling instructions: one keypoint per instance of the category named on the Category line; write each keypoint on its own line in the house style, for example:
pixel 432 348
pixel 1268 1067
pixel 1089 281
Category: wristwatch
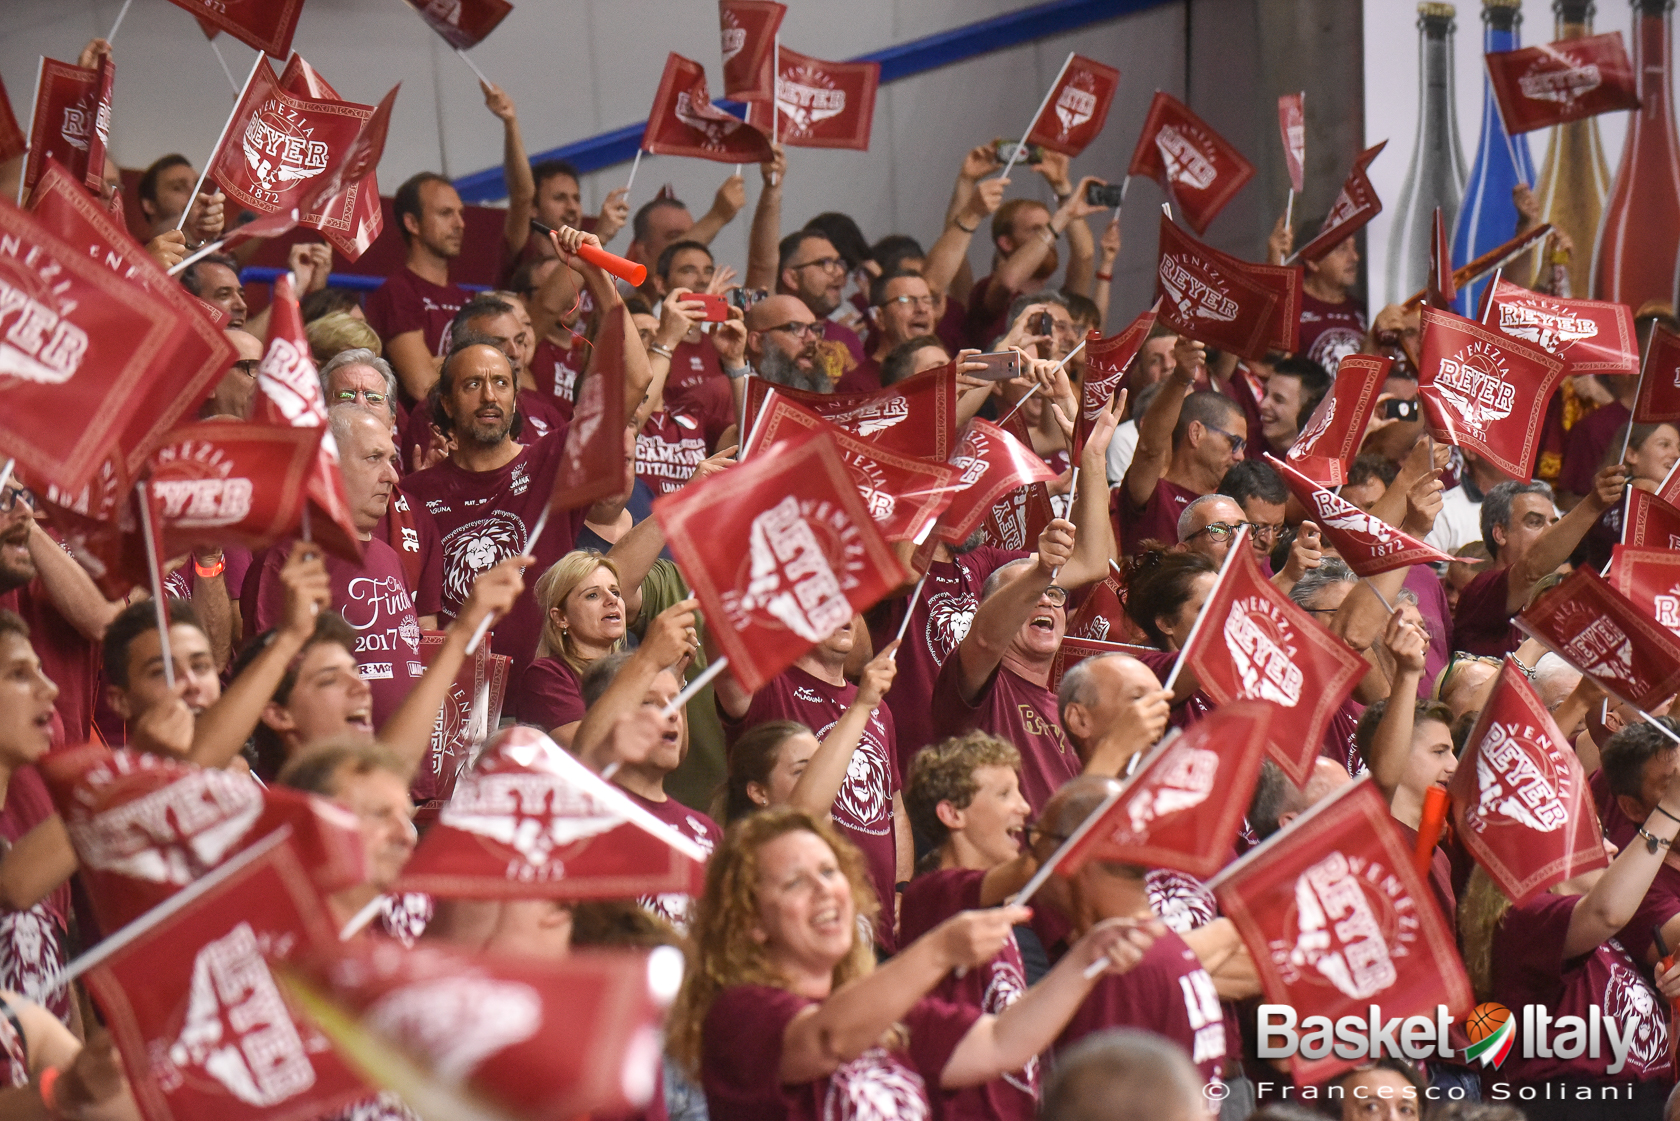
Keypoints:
pixel 735 373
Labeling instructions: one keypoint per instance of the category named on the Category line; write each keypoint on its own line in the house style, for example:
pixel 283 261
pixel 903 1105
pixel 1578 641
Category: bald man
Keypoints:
pixel 1113 709
pixel 1208 526
pixel 782 338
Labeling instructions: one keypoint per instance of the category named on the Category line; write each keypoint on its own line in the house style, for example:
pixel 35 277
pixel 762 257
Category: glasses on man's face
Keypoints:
pixel 1217 531
pixel 827 264
pixel 1264 532
pixel 248 367
pixel 1056 594
pixel 1238 443
pixel 10 497
pixel 368 396
pixel 912 301
pixel 802 330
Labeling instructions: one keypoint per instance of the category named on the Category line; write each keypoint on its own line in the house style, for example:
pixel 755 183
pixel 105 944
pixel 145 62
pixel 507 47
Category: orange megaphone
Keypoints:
pixel 607 262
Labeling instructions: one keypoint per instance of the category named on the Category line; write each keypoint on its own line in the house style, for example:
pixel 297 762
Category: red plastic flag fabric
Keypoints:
pixel 266 25
pixel 1077 108
pixel 463 24
pixel 1326 447
pixel 1253 643
pixel 105 76
pixel 1224 302
pixel 1659 385
pixel 13 143
pixel 1369 545
pixel 99 525
pixel 1650 579
pixel 530 821
pixel 66 108
pixel 1669 489
pixel 904 495
pixel 1106 363
pixel 1484 391
pixel 748 31
pixel 991 463
pixel 1337 920
pixel 203 1029
pixel 1520 799
pixel 227 481
pixel 462 724
pixel 1184 807
pixel 1651 522
pixel 684 122
pixel 1074 650
pixel 1440 290
pixel 1198 169
pixel 82 341
pixel 1591 336
pixel 592 463
pixel 1015 520
pixel 1568 80
pixel 917 417
pixel 467 1035
pixel 1606 636
pixel 1292 126
pixel 1356 204
pixel 812 555
pixel 822 104
pixel 352 219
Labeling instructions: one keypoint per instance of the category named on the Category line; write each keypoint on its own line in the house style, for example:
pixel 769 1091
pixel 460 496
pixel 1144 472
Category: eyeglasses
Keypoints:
pixel 1264 532
pixel 1238 443
pixel 803 330
pixel 11 496
pixel 912 301
pixel 1056 594
pixel 372 398
pixel 1218 531
pixel 248 367
pixel 827 264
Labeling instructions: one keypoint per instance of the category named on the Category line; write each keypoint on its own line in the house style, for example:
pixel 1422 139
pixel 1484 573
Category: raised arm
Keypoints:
pixel 766 233
pixel 1155 427
pixel 31 869
pixel 516 171
pixel 826 772
pixel 1094 530
pixel 1001 615
pixel 1081 261
pixel 71 590
pixel 636 552
pixel 637 374
pixel 727 203
pixel 1391 746
pixel 980 201
pixel 1108 251
pixel 666 643
pixel 1609 905
pixel 1552 548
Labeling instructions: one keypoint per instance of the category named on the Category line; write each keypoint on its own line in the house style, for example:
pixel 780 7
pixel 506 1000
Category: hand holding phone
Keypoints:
pixel 1400 409
pixel 1001 365
pixel 1105 195
pixel 717 308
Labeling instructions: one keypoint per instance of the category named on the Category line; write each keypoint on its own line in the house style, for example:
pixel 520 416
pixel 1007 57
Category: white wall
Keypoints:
pixel 580 67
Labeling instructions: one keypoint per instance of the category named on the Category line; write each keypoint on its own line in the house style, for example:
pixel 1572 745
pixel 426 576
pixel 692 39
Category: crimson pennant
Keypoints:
pixel 463 24
pixel 1568 80
pixel 461 723
pixel 1650 522
pixel 991 463
pixel 1016 519
pixel 904 495
pixel 1520 799
pixel 1356 204
pixel 1606 636
pixel 530 821
pixel 105 76
pixel 1659 384
pixel 821 104
pixel 1368 544
pixel 1292 126
pixel 351 217
pixel 1484 391
pixel 210 30
pixel 1338 920
pixel 1669 489
pixel 1198 169
pixel 220 482
pixel 460 1034
pixel 1224 302
pixel 1074 113
pixel 1650 579
pixel 194 1010
pixel 1326 447
pixel 917 417
pixel 812 559
pixel 1251 642
pixel 289 394
pixel 1591 336
pixel 684 122
pixel 1106 363
pixel 592 462
pixel 1072 651
pixel 266 25
pixel 1101 616
pixel 1441 289
pixel 62 125
pixel 748 30
pixel 13 143
pixel 84 342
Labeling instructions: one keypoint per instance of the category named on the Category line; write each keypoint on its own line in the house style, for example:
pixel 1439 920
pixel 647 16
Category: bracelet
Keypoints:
pixel 1050 235
pixel 1666 814
pixel 49 1082
pixel 957 222
pixel 1652 841
pixel 663 351
pixel 736 373
pixel 1061 199
pixel 1103 275
pixel 211 572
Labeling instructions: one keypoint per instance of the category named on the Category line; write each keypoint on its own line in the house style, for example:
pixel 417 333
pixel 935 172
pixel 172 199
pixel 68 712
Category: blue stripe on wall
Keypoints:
pixel 903 61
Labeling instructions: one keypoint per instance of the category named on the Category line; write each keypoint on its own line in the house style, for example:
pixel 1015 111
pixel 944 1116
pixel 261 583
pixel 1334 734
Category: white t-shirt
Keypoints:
pixel 1459 522
pixel 1120 451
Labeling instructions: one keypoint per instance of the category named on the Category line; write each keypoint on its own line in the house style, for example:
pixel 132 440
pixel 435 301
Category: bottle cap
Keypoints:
pixel 1432 10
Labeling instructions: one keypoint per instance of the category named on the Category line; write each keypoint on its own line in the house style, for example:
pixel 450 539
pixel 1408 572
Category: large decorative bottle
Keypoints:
pixel 1488 216
pixel 1435 177
pixel 1633 258
pixel 1575 176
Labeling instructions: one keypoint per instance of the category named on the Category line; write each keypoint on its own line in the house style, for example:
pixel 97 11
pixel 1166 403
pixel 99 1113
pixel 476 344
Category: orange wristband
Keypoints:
pixel 49 1082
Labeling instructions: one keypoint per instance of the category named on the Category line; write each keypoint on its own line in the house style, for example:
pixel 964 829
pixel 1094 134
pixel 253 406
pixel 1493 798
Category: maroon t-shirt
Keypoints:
pixel 865 377
pixel 70 661
pixel 374 598
pixel 929 900
pixel 1168 993
pixel 1017 711
pixel 1482 623
pixel 677 908
pixel 33 942
pixel 864 807
pixel 1338 738
pixel 540 412
pixel 414 535
pixel 741 1061
pixel 1422 582
pixel 1585 445
pixel 952 327
pixel 672 442
pixel 836 332
pixel 1155 520
pixel 556 370
pixel 550 696
pixel 407 302
pixel 1329 332
pixel 693 364
pixel 1529 968
pixel 1191 708
pixel 486 517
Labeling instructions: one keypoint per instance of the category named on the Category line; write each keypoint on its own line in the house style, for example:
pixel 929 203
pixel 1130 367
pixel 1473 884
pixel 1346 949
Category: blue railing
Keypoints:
pixel 259 274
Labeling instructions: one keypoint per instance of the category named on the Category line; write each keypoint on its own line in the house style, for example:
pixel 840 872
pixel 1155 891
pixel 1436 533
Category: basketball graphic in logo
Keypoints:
pixel 1491 1031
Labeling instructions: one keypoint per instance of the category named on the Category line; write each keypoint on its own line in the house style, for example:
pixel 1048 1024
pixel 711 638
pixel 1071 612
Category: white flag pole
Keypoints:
pixel 695 686
pixel 473 66
pixel 775 86
pixel 121 12
pixel 199 186
pixel 154 566
pixel 233 83
pixel 1016 154
pixel 634 167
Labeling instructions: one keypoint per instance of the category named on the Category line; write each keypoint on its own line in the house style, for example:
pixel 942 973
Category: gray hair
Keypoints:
pixel 1554 679
pixel 1123 1074
pixel 1330 572
pixel 1077 688
pixel 1000 576
pixel 1187 515
pixel 360 356
pixel 1496 507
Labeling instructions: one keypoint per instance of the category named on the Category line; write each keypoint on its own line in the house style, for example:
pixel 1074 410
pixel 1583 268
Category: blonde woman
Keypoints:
pixel 584 618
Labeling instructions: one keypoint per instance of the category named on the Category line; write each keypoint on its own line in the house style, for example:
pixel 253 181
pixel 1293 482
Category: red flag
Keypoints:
pixel 62 127
pixel 210 30
pixel 1227 303
pixel 289 393
pixel 904 496
pixel 1591 336
pixel 992 463
pixel 1369 545
pixel 12 141
pixel 266 25
pixel 1197 168
pixel 1520 799
pixel 1077 107
pixel 822 104
pixel 1659 384
pixel 1484 391
pixel 1184 807
pixel 461 725
pixel 1669 489
pixel 1651 522
pixel 1650 579
pixel 1326 447
pixel 99 525
pixel 592 464
pixel 226 481
pixel 83 342
pixel 1606 636
pixel 1292 125
pixel 1106 363
pixel 202 1028
pixel 1073 650
pixel 812 555
pixel 1440 290
pixel 748 29
pixel 464 24
pixel 917 417
pixel 1355 205
pixel 1569 80
pixel 684 122
pixel 105 75
pixel 351 219
pixel 1258 645
pixel 1103 614
pixel 1015 520
pixel 1338 920
pixel 529 820
pixel 458 1034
